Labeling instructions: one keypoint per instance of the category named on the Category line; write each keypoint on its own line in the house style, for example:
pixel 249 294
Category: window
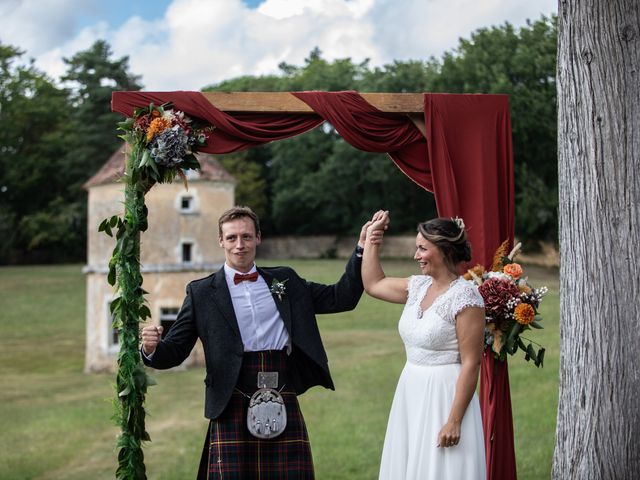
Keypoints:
pixel 186 203
pixel 115 337
pixel 167 318
pixel 187 251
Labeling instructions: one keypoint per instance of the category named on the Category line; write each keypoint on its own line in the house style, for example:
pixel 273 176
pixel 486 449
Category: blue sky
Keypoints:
pixel 117 12
pixel 187 44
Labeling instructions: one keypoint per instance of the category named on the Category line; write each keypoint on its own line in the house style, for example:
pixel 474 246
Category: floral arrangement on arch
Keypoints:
pixel 163 142
pixel 511 306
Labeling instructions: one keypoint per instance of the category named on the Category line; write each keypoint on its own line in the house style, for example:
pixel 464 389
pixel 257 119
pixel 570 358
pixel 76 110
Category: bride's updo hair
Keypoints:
pixel 450 236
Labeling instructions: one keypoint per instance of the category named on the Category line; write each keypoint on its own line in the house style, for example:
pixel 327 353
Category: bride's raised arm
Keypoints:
pixel 376 283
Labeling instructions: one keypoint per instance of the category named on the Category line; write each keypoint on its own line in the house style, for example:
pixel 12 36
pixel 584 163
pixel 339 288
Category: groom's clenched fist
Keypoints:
pixel 151 336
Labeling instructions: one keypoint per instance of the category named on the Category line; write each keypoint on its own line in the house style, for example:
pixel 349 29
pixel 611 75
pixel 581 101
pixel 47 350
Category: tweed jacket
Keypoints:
pixel 207 313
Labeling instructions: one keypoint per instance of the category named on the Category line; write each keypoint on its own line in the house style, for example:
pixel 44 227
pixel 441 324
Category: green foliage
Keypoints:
pixel 400 77
pixel 92 76
pixel 33 112
pixel 53 139
pixel 323 185
pixel 128 310
pixel 248 169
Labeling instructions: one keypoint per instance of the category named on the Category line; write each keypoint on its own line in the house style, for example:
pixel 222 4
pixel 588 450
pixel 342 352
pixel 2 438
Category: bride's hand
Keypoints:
pixel 449 435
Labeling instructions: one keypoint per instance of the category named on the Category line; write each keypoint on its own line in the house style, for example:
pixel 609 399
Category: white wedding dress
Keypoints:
pixel 425 392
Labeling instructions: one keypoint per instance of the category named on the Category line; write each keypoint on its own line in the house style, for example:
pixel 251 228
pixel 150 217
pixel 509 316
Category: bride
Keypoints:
pixel 435 428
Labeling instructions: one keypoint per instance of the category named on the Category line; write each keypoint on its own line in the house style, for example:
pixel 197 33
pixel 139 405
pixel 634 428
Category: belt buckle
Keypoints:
pixel 267 380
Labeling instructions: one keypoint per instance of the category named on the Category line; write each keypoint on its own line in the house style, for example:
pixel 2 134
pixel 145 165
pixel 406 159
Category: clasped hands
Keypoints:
pixel 376 226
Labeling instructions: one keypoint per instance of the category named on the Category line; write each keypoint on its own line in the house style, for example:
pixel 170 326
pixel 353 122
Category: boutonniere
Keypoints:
pixel 277 287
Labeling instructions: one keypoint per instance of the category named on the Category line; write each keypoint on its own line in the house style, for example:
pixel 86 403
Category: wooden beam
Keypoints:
pixel 273 102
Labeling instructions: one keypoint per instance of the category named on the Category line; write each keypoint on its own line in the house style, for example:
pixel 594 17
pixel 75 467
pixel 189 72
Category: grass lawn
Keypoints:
pixel 55 420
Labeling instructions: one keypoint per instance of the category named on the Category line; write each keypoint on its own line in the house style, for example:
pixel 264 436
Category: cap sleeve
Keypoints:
pixel 466 296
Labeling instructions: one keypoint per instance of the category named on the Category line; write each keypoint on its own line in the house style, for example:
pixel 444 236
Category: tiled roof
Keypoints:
pixel 113 169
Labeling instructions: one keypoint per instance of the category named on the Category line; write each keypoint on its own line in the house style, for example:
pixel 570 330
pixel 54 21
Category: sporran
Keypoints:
pixel 266 415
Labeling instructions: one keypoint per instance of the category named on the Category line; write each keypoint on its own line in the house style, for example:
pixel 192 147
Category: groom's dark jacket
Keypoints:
pixel 207 313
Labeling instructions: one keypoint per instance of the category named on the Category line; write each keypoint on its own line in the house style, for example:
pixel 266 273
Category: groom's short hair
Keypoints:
pixel 238 212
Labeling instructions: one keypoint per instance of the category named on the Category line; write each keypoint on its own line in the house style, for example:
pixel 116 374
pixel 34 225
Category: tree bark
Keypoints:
pixel 598 427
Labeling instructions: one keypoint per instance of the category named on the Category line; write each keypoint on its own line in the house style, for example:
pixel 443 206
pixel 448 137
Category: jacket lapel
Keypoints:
pixel 222 300
pixel 283 303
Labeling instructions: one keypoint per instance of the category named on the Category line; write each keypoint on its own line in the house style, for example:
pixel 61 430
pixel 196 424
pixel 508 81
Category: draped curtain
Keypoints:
pixel 465 160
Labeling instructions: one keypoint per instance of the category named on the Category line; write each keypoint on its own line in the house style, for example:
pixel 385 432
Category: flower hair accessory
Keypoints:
pixel 459 222
pixel 278 288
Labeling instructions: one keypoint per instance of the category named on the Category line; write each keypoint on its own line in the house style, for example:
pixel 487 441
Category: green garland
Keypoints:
pixel 162 144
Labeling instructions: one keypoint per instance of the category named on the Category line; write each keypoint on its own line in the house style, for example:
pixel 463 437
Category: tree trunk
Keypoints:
pixel 598 427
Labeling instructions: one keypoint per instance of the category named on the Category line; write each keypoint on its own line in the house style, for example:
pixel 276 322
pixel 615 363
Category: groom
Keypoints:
pixel 250 321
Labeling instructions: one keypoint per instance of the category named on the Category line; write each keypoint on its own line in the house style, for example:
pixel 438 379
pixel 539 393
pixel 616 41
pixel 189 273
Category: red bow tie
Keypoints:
pixel 241 277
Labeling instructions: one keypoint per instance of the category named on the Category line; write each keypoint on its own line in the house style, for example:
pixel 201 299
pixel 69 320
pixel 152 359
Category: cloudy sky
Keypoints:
pixel 187 44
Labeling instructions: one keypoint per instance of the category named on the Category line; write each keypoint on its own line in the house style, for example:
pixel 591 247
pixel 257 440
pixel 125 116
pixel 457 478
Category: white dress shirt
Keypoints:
pixel 260 323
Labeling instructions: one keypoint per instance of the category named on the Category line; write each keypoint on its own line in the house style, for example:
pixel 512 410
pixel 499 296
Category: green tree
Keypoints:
pixel 319 74
pixel 324 185
pixel 33 180
pixel 92 76
pixel 400 77
pixel 53 139
pixel 248 167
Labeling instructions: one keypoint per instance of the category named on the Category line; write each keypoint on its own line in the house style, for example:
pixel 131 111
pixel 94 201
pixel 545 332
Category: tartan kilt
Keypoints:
pixel 231 452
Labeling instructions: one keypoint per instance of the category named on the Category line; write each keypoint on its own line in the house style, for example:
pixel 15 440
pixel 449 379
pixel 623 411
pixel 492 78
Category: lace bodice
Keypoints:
pixel 430 337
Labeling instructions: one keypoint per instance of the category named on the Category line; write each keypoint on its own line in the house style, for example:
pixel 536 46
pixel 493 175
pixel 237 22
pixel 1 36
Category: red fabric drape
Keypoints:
pixel 471 160
pixel 466 160
pixel 233 132
pixel 367 128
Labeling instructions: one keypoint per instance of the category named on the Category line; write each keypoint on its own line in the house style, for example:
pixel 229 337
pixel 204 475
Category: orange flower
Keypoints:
pixel 524 313
pixel 513 269
pixel 155 113
pixel 158 125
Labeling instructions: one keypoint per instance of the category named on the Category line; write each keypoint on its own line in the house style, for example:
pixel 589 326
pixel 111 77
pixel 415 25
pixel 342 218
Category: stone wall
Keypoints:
pixel 327 246
pixel 394 247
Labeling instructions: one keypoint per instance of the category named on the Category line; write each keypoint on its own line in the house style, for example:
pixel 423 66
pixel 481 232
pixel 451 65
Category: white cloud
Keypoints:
pixel 198 42
pixel 37 25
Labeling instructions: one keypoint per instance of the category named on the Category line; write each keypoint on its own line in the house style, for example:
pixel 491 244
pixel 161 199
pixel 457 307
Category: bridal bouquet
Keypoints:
pixel 511 306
